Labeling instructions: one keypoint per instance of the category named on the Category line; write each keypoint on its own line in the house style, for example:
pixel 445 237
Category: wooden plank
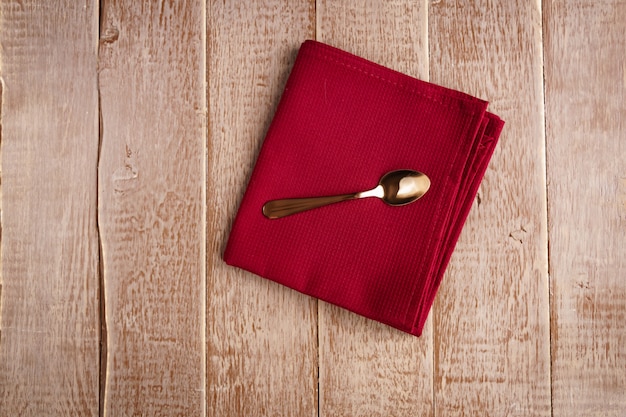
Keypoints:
pixel 585 75
pixel 367 368
pixel 152 206
pixel 491 317
pixel 262 341
pixel 49 350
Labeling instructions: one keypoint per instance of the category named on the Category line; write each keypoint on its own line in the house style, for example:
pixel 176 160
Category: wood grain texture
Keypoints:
pixel 585 72
pixel 491 326
pixel 261 337
pixel 152 206
pixel 49 350
pixel 367 368
pixel 186 92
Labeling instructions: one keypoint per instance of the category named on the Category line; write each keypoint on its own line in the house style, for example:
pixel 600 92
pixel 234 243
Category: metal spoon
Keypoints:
pixel 395 188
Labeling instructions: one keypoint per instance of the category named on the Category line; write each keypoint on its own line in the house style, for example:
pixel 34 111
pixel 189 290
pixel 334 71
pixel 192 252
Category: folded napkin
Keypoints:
pixel 341 124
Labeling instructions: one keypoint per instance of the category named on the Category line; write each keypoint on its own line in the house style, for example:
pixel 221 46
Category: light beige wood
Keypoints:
pixel 187 92
pixel 585 69
pixel 49 350
pixel 367 368
pixel 152 206
pixel 491 317
pixel 261 337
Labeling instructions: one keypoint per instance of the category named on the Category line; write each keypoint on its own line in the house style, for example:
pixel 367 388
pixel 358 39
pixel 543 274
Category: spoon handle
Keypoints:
pixel 280 208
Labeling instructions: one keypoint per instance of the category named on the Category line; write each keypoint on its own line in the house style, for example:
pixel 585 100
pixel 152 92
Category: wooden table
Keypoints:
pixel 129 130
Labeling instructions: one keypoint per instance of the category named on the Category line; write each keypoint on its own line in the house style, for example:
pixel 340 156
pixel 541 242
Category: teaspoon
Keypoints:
pixel 395 188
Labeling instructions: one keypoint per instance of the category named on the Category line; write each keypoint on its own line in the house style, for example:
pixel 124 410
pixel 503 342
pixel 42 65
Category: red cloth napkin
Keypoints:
pixel 341 124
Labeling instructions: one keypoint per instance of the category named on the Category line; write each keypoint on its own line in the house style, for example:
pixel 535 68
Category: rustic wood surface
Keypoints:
pixel 491 317
pixel 128 131
pixel 49 317
pixel 151 213
pixel 586 155
pixel 261 337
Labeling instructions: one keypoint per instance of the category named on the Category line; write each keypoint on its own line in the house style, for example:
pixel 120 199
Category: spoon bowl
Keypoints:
pixel 395 188
pixel 403 186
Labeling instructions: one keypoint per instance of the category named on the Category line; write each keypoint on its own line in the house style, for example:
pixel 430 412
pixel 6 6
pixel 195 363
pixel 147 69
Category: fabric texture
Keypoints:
pixel 341 124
